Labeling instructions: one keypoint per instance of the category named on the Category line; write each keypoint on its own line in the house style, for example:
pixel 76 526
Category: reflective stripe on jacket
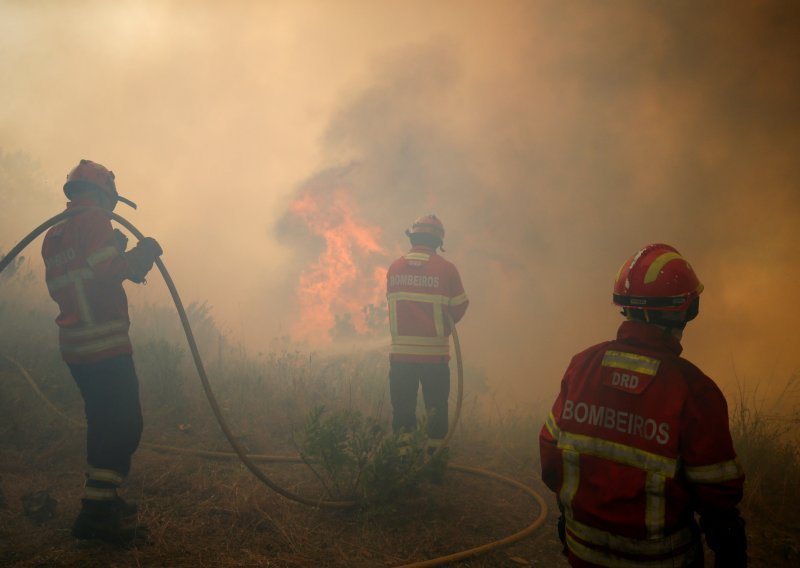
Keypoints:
pixel 421 287
pixel 638 441
pixel 84 270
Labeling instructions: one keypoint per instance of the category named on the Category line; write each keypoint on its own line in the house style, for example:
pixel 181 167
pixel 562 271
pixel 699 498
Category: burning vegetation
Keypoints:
pixel 341 292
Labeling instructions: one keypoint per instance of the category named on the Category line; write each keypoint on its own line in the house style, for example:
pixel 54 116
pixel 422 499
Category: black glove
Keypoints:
pixel 141 258
pixel 152 246
pixel 725 535
pixel 120 240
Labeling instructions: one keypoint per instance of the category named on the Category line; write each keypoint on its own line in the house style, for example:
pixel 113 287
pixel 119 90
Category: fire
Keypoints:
pixel 343 292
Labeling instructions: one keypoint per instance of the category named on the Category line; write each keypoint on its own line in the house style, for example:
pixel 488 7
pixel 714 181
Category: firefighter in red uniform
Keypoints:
pixel 638 440
pixel 422 289
pixel 86 263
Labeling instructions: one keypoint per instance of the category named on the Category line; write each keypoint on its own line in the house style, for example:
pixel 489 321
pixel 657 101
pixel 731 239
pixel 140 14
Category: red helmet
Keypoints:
pixel 429 224
pixel 656 278
pixel 89 172
pixel 95 175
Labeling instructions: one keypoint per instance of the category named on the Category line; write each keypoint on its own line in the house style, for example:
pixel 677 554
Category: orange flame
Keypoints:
pixel 340 293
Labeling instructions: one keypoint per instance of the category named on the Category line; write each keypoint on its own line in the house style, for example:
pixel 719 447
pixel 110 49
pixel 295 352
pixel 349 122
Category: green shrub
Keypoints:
pixel 356 459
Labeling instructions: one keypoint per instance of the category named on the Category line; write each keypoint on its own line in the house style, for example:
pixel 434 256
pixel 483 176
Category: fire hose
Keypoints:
pixel 249 460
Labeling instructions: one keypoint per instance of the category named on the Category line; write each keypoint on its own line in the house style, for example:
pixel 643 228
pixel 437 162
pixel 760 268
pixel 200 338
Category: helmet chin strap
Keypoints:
pixel 127 202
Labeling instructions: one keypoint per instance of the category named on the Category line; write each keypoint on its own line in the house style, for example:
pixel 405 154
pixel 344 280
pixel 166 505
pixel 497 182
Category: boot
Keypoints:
pixel 128 509
pixel 104 521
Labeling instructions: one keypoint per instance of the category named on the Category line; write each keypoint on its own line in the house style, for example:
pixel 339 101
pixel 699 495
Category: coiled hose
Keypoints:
pixel 249 460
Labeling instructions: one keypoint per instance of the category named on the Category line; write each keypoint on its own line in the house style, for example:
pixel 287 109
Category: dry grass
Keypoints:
pixel 204 512
pixel 214 513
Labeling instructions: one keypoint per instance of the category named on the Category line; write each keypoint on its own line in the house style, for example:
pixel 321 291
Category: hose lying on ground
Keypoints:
pixel 249 460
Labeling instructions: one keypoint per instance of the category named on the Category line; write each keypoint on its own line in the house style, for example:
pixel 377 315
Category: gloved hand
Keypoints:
pixel 141 258
pixel 152 247
pixel 726 537
pixel 121 240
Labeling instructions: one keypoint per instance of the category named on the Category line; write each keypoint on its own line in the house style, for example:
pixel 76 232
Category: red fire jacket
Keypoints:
pixel 84 269
pixel 637 441
pixel 421 287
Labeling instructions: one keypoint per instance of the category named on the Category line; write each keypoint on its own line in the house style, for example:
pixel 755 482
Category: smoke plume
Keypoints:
pixel 273 146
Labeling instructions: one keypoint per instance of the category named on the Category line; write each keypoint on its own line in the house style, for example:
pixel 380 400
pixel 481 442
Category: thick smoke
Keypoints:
pixel 554 139
pixel 648 127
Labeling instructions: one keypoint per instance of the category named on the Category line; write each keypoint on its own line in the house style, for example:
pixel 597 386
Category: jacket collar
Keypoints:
pixel 648 335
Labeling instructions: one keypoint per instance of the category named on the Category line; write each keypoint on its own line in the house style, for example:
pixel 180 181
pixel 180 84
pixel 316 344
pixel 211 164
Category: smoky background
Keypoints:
pixel 553 139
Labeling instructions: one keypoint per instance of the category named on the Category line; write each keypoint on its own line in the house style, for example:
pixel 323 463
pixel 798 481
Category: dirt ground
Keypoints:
pixel 215 513
pixel 202 512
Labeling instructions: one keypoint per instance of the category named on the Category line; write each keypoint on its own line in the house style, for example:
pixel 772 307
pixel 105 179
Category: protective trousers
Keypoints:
pixel 404 381
pixel 110 391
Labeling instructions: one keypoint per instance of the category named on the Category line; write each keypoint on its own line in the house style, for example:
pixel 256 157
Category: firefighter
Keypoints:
pixel 638 440
pixel 422 289
pixel 85 265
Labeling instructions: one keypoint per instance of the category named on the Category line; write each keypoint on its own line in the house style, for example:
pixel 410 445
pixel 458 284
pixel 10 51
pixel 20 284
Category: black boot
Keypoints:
pixel 104 521
pixel 128 509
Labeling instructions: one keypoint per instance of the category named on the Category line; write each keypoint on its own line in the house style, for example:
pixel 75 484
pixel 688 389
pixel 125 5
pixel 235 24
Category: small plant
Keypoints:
pixel 397 466
pixel 337 449
pixel 356 459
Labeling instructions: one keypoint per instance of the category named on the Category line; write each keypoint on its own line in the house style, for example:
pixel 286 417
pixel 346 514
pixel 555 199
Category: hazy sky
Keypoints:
pixel 553 138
